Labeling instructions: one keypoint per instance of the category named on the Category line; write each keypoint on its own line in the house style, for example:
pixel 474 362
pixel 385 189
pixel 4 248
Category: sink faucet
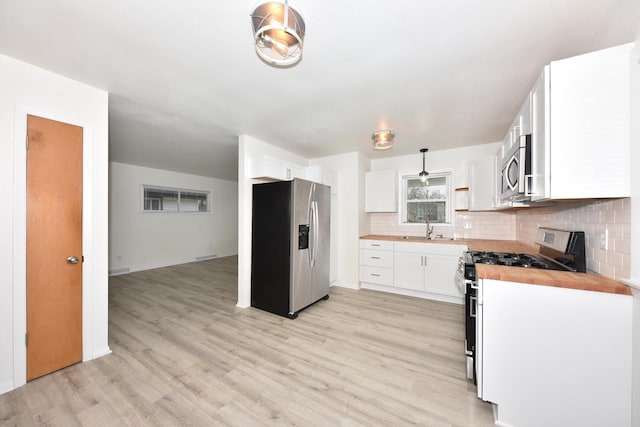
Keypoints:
pixel 429 227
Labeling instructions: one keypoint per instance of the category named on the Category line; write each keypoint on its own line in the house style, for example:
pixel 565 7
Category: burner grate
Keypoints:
pixel 510 260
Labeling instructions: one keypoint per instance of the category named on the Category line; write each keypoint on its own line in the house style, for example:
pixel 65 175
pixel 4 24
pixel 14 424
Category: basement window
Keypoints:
pixel 163 199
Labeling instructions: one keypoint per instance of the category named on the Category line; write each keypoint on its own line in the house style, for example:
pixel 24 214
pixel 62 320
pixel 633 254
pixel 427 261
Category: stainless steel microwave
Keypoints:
pixel 516 175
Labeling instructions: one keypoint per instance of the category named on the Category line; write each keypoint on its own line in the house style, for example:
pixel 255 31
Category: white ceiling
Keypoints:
pixel 185 81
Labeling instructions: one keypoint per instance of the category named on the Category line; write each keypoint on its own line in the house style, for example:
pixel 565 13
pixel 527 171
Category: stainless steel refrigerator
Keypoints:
pixel 290 245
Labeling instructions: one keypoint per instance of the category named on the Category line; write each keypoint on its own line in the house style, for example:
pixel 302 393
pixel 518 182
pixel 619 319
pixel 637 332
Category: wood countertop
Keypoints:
pixel 561 279
pixel 473 244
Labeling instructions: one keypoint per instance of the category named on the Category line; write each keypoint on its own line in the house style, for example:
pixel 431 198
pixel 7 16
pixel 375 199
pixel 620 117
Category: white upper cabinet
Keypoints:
pixel 380 191
pixel 482 174
pixel 540 186
pixel 265 167
pixel 524 118
pixel 581 127
pixel 520 126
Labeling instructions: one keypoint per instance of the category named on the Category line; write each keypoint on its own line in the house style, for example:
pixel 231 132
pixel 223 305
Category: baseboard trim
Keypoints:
pixel 206 257
pixel 101 352
pixel 411 293
pixel 118 271
pixel 347 285
pixel 153 266
pixel 6 387
pixel 497 422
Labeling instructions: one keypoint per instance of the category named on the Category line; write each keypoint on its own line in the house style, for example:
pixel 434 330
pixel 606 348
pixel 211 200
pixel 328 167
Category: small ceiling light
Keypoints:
pixel 383 139
pixel 424 174
pixel 278 30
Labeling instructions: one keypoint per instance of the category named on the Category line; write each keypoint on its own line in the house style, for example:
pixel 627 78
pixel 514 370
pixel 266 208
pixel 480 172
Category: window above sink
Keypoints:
pixel 433 199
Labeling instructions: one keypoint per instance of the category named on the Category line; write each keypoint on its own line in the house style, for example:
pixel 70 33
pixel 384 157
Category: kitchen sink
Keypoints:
pixel 424 238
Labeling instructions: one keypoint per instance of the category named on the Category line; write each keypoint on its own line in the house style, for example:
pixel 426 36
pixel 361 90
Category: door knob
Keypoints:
pixel 72 260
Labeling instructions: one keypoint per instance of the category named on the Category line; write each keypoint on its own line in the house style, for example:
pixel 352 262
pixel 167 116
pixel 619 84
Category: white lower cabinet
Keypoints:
pixel 376 275
pixel 426 270
pixel 408 272
pixel 376 262
pixel 440 274
pixel 550 356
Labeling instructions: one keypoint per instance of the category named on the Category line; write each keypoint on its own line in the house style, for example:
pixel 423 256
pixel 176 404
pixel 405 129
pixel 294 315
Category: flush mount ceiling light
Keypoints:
pixel 423 175
pixel 383 139
pixel 278 30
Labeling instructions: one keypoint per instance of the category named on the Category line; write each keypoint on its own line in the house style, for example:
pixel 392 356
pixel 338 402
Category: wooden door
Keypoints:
pixel 54 243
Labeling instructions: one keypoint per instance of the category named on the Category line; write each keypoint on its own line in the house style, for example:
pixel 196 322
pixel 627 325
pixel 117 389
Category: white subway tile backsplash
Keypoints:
pixel 622 274
pixel 622 246
pixel 607 270
pixel 592 217
pixel 615 259
pixel 469 225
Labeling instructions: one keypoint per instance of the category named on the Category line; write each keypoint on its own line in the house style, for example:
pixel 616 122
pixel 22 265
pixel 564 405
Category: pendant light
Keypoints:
pixel 278 31
pixel 423 175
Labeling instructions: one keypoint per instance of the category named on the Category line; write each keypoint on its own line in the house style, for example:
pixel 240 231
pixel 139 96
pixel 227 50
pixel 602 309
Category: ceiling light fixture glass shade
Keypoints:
pixel 424 174
pixel 383 139
pixel 278 30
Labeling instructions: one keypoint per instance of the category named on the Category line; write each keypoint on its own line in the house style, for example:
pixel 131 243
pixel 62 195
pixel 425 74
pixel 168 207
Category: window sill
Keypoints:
pixel 174 212
pixel 431 224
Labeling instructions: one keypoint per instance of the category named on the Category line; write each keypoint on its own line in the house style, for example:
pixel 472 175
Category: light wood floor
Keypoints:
pixel 184 355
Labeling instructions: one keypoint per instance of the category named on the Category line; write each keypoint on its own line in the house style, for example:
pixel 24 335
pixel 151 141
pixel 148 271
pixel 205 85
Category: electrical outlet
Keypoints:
pixel 604 240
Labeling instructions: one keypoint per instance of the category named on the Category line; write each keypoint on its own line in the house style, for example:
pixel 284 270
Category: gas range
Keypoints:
pixel 559 250
pixel 471 258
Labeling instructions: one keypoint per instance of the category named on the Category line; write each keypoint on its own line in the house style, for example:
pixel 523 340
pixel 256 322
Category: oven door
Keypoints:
pixel 471 310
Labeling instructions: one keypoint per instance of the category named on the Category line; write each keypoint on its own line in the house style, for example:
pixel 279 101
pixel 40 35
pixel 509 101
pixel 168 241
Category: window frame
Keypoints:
pixel 449 201
pixel 178 190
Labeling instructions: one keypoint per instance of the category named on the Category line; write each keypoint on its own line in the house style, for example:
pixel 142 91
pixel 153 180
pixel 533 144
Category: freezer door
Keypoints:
pixel 320 240
pixel 301 246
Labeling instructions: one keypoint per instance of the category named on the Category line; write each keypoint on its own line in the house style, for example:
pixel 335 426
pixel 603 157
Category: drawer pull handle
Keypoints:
pixel 376 275
pixel 375 257
pixel 374 244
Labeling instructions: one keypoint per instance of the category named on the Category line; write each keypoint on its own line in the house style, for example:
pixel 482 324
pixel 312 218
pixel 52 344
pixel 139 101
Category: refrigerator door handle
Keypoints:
pixel 316 231
pixel 312 232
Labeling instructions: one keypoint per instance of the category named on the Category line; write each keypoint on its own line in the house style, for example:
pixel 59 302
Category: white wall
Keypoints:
pixel 352 221
pixel 364 165
pixel 454 160
pixel 249 147
pixel 25 89
pixel 142 240
pixel 635 223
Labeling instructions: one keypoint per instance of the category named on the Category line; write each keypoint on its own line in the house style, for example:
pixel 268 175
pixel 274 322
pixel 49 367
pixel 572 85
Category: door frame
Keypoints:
pixel 20 237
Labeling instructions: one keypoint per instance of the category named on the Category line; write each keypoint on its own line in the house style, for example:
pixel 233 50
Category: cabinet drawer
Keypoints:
pixel 430 248
pixel 377 275
pixel 376 244
pixel 375 258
